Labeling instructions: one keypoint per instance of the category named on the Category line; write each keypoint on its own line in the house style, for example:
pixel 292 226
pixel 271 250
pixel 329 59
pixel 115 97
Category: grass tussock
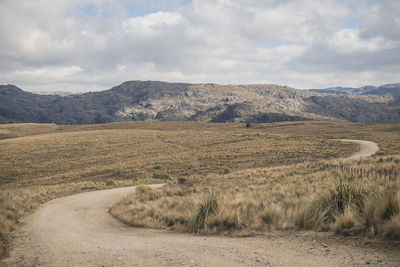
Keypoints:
pixel 345 220
pixel 206 209
pixel 391 228
pixel 341 195
pixel 382 213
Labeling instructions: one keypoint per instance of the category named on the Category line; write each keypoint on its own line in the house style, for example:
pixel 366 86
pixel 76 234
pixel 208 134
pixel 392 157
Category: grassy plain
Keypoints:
pixel 261 175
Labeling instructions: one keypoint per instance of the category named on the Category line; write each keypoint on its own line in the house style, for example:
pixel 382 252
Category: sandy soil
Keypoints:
pixel 78 231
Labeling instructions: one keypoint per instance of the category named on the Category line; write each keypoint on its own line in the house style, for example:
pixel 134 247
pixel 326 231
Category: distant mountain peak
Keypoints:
pixel 392 89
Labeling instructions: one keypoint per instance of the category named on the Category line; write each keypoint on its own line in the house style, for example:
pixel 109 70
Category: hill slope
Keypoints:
pixel 390 89
pixel 152 100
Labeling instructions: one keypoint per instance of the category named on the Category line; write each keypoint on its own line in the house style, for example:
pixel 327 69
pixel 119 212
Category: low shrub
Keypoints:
pixel 161 176
pixel 110 183
pixel 143 189
pixel 181 180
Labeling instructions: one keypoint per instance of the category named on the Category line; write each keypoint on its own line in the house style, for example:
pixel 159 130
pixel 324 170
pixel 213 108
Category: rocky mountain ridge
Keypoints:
pixel 391 89
pixel 153 100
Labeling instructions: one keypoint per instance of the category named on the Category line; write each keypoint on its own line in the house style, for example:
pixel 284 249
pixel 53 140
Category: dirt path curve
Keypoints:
pixel 367 148
pixel 78 231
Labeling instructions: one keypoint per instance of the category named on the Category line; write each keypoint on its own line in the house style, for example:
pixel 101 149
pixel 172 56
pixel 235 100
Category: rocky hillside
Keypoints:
pixel 390 89
pixel 150 100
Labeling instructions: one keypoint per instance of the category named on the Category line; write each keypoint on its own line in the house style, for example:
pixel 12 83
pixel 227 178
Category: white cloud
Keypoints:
pixel 350 41
pixel 151 24
pixel 95 44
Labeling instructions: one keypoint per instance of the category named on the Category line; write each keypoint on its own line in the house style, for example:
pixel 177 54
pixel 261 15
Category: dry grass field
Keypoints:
pixel 220 177
pixel 348 197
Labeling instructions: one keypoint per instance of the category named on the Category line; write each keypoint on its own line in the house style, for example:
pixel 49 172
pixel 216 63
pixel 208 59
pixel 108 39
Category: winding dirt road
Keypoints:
pixel 367 148
pixel 78 231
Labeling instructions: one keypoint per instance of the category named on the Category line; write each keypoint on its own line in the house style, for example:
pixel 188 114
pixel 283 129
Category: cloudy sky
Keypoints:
pixel 89 45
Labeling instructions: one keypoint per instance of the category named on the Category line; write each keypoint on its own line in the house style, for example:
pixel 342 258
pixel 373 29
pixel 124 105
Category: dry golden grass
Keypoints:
pixel 53 158
pixel 347 197
pixel 39 162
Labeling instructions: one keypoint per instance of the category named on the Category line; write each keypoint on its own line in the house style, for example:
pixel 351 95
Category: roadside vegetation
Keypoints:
pixel 349 197
pixel 259 176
